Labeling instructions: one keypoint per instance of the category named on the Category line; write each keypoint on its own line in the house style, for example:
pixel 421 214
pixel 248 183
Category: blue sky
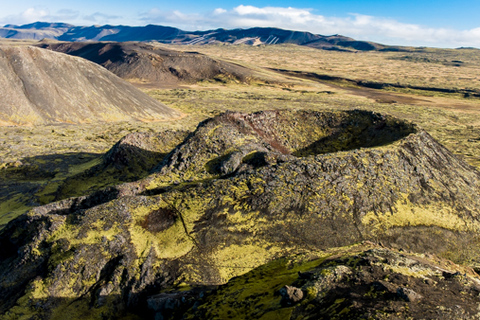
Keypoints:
pixel 422 23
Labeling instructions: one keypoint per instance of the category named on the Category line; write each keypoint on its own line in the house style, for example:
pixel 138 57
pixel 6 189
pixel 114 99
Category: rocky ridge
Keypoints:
pixel 238 193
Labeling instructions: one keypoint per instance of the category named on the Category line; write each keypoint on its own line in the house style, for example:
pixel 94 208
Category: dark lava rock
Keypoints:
pixel 291 295
pixel 307 181
pixel 408 295
pixel 357 282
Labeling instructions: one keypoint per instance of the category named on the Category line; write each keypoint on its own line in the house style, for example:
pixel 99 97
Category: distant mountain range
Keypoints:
pixel 252 36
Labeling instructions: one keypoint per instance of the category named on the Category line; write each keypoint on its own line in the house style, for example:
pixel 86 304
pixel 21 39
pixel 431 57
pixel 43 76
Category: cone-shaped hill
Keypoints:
pixel 239 192
pixel 153 65
pixel 40 86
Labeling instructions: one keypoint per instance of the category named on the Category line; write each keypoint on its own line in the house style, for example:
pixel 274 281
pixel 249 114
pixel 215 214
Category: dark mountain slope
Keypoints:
pixel 239 192
pixel 147 63
pixel 36 31
pixel 40 86
pixel 121 33
pixel 250 36
pixel 267 35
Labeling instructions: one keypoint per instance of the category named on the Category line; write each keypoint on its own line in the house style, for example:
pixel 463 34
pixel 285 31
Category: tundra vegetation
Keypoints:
pixel 140 216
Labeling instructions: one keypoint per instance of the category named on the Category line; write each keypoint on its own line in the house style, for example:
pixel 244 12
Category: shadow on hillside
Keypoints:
pixel 39 180
pixel 75 308
pixel 360 130
pixel 45 166
pixel 32 181
pixel 346 140
pixel 128 164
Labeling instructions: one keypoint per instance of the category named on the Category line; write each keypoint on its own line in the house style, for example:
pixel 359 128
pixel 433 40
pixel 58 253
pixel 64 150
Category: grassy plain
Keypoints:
pixel 443 68
pixel 34 161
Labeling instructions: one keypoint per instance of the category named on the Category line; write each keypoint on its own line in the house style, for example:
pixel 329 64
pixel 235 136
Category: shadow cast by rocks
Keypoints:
pixel 45 166
pixel 362 130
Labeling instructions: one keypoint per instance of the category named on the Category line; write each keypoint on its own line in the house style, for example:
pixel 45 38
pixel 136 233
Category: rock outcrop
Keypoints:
pixel 360 282
pixel 130 159
pixel 239 192
pixel 40 86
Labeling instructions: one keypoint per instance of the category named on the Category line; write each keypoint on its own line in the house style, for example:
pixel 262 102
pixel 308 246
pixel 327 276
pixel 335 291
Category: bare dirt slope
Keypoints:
pixel 40 86
pixel 150 64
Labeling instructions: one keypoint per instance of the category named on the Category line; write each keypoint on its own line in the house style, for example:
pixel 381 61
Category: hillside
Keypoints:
pixel 163 34
pixel 153 65
pixel 40 86
pixel 365 281
pixel 240 192
pixel 35 31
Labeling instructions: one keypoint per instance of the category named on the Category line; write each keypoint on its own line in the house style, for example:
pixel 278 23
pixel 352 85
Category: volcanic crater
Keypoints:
pixel 305 133
pixel 237 193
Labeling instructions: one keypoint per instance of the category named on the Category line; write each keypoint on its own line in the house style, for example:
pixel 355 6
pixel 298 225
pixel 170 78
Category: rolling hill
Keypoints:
pixel 40 86
pixel 151 64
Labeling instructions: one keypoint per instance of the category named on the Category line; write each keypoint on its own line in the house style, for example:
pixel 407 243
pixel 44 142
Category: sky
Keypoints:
pixel 440 23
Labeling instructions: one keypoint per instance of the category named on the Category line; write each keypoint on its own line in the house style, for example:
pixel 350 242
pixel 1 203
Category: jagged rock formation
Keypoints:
pixel 40 86
pixel 240 191
pixel 147 63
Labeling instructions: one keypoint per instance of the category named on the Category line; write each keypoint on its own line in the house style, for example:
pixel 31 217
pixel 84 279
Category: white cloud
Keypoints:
pixel 35 14
pixel 100 18
pixel 219 11
pixel 361 27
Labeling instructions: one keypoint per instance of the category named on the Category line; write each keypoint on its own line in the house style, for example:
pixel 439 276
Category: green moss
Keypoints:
pixel 310 294
pixel 254 295
pixel 284 313
pixel 50 191
pixel 409 214
pixel 24 308
pixel 81 309
pixel 171 243
pixel 12 208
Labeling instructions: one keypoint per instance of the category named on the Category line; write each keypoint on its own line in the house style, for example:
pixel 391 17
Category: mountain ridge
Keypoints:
pixel 172 35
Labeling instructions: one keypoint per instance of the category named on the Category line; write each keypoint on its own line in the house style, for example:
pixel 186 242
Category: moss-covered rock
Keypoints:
pixel 130 159
pixel 239 192
pixel 359 282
